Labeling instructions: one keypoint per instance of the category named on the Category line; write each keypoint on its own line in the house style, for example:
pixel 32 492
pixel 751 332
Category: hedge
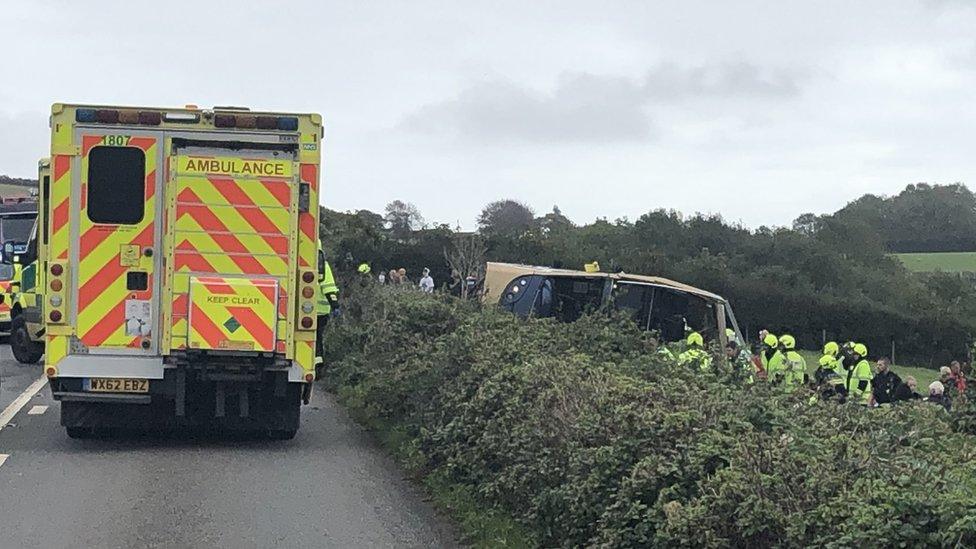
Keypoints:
pixel 586 437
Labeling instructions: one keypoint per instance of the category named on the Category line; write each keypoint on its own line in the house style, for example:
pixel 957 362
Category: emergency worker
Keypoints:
pixel 772 359
pixel 326 302
pixel 364 269
pixel 695 353
pixel 859 375
pixel 794 365
pixel 827 363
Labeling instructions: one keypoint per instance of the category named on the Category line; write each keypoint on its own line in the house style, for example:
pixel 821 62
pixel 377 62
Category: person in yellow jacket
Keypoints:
pixel 794 365
pixel 771 358
pixel 326 302
pixel 695 353
pixel 859 375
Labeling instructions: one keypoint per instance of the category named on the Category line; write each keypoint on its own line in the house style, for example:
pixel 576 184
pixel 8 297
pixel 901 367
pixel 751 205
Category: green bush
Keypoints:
pixel 582 434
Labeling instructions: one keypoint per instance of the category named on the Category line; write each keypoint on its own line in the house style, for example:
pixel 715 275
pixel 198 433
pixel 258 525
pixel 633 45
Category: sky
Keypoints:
pixel 755 110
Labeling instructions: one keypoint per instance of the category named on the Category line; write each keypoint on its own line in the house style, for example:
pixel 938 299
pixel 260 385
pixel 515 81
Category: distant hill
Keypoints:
pixel 18 181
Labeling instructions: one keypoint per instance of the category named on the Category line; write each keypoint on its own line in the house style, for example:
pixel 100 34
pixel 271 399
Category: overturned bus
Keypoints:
pixel 667 307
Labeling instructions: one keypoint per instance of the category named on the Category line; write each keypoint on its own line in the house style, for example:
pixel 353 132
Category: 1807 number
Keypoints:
pixel 116 140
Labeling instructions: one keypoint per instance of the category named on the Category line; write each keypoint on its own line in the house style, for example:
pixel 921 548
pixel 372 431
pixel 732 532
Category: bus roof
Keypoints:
pixel 498 276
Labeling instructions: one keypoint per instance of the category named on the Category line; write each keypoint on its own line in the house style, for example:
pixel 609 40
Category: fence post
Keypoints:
pixel 893 351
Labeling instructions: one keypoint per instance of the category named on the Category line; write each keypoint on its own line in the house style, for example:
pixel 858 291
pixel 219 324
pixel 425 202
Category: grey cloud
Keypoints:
pixel 585 107
pixel 582 108
pixel 676 83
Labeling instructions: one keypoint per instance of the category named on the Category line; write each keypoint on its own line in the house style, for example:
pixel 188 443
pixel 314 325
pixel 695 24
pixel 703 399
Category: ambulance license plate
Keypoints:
pixel 116 385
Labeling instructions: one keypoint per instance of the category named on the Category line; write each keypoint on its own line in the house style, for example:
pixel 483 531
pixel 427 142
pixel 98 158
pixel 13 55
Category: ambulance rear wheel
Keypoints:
pixel 23 348
pixel 282 434
pixel 80 432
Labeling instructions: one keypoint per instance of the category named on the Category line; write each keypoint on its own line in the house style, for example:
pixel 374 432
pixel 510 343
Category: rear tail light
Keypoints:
pixel 51 371
pixel 306 322
pixel 308 292
pixel 308 277
pixel 56 285
pixel 55 316
pixel 309 377
pixel 57 269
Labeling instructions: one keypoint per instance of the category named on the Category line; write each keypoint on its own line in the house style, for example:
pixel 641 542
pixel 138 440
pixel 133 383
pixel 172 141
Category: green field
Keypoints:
pixel 924 376
pixel 949 262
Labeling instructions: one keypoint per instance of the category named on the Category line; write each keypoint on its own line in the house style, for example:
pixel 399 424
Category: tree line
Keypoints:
pixel 825 276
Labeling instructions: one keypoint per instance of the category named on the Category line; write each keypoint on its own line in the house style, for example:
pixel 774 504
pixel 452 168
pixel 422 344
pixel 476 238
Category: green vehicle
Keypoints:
pixel 27 305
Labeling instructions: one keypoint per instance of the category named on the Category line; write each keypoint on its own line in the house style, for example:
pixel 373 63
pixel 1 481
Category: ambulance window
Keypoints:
pixel 116 185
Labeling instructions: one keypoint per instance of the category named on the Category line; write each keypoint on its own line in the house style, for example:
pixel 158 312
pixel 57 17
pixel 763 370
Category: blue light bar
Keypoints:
pixel 85 115
pixel 287 123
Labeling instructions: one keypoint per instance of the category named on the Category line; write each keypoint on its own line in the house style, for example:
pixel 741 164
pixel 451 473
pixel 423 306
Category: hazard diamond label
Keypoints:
pixel 232 324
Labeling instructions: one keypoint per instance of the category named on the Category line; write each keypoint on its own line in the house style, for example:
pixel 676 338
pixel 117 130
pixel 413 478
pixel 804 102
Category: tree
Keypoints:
pixel 466 257
pixel 403 218
pixel 506 217
pixel 554 222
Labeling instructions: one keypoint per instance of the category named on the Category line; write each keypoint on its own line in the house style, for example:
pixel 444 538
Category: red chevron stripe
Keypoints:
pixel 62 163
pixel 94 286
pixel 142 142
pixel 310 174
pixel 254 217
pixel 279 189
pixel 59 216
pixel 93 237
pixel 261 332
pixel 150 185
pixel 88 142
pixel 106 326
pixel 193 261
pixel 227 242
pixel 205 327
pixel 180 302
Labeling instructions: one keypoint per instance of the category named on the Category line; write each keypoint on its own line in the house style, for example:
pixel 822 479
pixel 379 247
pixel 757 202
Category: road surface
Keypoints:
pixel 329 487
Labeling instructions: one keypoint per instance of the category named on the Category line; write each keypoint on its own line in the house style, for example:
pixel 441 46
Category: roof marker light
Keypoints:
pixel 150 118
pixel 246 121
pixel 267 123
pixel 129 117
pixel 225 120
pixel 288 123
pixel 85 115
pixel 182 117
pixel 107 116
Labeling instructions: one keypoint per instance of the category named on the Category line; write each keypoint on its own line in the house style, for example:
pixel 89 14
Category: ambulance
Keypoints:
pixel 180 264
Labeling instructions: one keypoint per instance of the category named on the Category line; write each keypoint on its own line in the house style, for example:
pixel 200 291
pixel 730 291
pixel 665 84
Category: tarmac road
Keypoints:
pixel 329 487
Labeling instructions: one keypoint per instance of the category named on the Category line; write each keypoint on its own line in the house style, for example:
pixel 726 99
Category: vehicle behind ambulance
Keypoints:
pixel 180 262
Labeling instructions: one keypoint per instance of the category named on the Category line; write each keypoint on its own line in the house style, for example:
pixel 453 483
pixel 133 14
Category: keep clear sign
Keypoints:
pixel 138 317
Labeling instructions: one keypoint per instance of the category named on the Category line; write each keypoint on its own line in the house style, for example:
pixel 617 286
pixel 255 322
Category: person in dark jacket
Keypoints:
pixel 907 391
pixel 884 383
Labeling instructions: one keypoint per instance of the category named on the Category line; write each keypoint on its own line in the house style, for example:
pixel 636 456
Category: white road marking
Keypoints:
pixel 37 410
pixel 22 399
pixel 3 458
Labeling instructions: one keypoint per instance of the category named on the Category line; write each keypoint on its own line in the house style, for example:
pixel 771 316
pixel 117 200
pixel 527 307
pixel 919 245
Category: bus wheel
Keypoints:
pixel 23 348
